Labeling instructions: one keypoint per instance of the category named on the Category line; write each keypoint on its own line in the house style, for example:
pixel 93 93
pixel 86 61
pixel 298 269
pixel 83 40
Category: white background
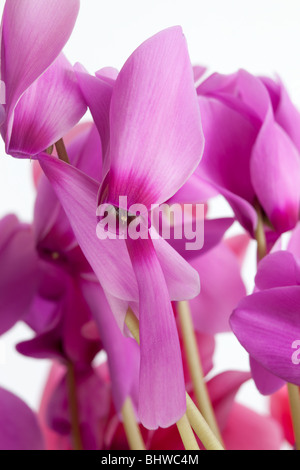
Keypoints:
pixel 262 36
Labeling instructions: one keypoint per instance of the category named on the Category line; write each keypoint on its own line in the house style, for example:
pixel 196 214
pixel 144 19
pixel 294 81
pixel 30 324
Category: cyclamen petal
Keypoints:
pixel 33 34
pixel 78 196
pixel 156 134
pixel 275 174
pixel 266 383
pixel 18 279
pixel 267 325
pixel 97 94
pixel 48 109
pixel 162 399
pixel 122 353
pixel 19 428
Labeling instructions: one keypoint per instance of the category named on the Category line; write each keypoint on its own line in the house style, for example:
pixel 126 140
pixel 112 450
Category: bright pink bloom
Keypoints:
pixel 153 129
pixel 267 322
pixel 43 100
pixel 252 149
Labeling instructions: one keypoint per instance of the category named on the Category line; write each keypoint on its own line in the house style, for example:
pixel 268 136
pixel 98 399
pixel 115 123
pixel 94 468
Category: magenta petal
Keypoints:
pixel 266 383
pixel 277 270
pixel 214 231
pixel 162 399
pixel 19 428
pixel 275 174
pixel 97 94
pixel 195 190
pixel 51 227
pixel 181 278
pixel 18 261
pixel 267 325
pixel 78 196
pixel 48 109
pixel 156 133
pixel 287 116
pixel 222 390
pixel 229 137
pixel 33 35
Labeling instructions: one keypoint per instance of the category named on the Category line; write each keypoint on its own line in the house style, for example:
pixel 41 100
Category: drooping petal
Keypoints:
pixel 19 428
pixel 47 110
pixel 275 174
pixel 33 35
pixel 162 399
pixel 267 325
pixel 266 383
pixel 156 133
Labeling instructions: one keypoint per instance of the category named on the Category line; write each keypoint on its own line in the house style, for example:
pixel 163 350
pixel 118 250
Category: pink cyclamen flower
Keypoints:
pixel 252 148
pixel 267 322
pixel 67 294
pixel 43 100
pixel 150 127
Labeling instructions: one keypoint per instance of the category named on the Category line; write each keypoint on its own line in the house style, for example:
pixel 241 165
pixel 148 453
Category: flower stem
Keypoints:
pixel 62 151
pixel 195 367
pixel 73 405
pixel 294 397
pixel 132 429
pixel 186 434
pixel 260 235
pixel 193 415
pixel 200 426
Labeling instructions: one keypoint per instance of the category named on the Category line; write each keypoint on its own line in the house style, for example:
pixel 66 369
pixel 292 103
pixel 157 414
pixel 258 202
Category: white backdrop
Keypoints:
pixel 262 36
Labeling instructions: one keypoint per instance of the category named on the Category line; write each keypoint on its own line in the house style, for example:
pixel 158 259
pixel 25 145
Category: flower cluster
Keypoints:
pixel 93 275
